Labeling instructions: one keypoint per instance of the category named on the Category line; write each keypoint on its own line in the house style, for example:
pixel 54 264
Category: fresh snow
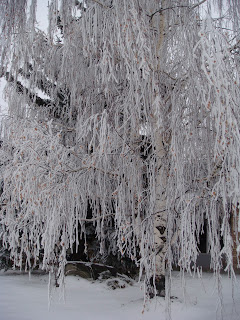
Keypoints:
pixel 24 298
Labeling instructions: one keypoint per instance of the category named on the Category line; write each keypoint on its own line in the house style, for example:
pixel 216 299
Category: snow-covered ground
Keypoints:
pixel 22 298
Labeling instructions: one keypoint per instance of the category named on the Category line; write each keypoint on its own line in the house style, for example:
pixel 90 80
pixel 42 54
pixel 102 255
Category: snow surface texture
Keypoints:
pixel 22 298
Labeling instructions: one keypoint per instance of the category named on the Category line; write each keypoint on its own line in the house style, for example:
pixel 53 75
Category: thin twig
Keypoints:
pixel 175 7
pixel 92 167
pixel 124 141
pixel 167 74
pixel 163 9
pixel 198 4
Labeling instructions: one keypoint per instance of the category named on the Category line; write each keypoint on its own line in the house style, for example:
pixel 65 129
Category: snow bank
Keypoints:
pixel 24 299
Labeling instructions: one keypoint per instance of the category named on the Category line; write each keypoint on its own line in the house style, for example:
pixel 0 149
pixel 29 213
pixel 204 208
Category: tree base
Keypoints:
pixel 159 286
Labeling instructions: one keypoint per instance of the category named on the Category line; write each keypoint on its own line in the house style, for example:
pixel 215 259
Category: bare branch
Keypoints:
pixel 163 9
pixel 175 7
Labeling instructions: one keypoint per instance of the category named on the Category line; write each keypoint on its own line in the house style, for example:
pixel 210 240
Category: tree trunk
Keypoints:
pixel 160 218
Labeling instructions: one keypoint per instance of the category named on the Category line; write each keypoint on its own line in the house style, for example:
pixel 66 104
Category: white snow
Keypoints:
pixel 3 103
pixel 22 298
pixel 42 15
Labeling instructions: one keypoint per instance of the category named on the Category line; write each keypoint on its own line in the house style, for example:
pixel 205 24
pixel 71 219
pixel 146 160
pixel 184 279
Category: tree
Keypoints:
pixel 140 120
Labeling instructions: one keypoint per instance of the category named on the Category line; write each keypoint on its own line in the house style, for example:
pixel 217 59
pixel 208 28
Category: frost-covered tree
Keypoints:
pixel 132 108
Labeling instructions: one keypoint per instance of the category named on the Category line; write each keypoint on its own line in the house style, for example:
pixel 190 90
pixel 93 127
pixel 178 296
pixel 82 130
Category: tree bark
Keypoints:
pixel 160 218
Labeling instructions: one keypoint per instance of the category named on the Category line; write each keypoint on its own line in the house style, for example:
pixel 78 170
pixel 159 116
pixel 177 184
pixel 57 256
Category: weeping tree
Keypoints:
pixel 131 108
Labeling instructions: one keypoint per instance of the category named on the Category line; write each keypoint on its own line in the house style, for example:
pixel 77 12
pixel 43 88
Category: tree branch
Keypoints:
pixel 22 89
pixel 163 9
pixel 198 4
pixel 93 168
pixel 175 7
